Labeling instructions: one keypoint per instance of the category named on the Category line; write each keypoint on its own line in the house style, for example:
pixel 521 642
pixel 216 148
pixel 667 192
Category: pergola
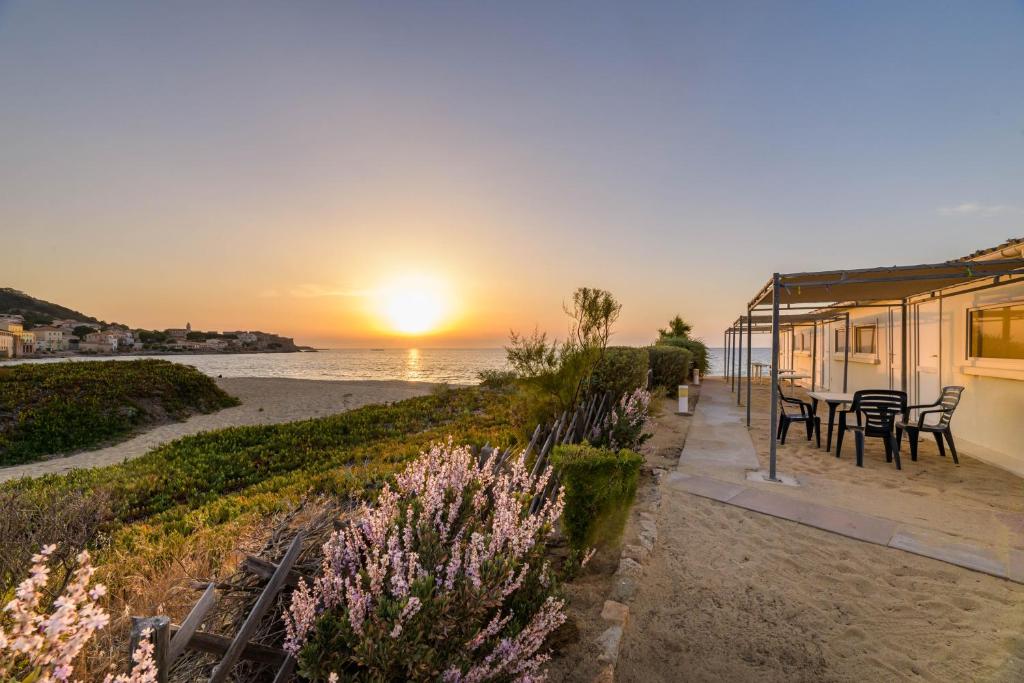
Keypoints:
pixel 829 295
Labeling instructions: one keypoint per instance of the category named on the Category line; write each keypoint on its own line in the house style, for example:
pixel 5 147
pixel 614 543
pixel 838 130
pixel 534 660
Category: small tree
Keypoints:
pixel 561 371
pixel 677 327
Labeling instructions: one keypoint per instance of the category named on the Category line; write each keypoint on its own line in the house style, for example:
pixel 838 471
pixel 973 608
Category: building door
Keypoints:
pixel 927 360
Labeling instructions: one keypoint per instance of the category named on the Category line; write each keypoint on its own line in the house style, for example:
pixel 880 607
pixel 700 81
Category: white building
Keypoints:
pixel 8 342
pixel 100 342
pixel 50 338
pixel 919 329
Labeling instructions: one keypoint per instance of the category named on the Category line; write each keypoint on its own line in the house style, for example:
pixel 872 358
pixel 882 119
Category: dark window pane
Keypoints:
pixel 998 332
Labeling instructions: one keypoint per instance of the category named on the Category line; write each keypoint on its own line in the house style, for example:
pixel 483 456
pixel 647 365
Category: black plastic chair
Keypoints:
pixel 876 412
pixel 946 406
pixel 806 416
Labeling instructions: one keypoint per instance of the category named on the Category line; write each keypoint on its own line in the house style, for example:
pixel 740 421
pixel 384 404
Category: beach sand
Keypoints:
pixel 734 595
pixel 264 401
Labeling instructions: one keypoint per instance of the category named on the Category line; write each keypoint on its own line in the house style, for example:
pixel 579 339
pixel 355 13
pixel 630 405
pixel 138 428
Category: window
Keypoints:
pixel 840 340
pixel 864 339
pixel 997 332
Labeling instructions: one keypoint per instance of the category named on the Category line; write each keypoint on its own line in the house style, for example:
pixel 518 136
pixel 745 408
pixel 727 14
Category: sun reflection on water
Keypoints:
pixel 413 370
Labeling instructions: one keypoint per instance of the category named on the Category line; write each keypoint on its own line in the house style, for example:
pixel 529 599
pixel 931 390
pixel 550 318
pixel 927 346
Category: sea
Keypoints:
pixel 450 366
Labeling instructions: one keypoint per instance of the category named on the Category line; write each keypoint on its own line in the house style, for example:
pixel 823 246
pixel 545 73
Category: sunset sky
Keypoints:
pixel 291 166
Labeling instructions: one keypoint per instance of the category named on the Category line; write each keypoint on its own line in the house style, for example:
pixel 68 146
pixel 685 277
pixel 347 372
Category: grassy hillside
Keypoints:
pixel 59 407
pixel 36 311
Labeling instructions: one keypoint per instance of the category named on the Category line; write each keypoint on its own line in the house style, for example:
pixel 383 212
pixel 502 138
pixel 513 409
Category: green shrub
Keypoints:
pixel 622 370
pixel 59 407
pixel 670 366
pixel 698 350
pixel 599 486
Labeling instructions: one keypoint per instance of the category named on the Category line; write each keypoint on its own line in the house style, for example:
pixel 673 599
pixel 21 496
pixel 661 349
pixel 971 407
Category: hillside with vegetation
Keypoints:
pixel 36 311
pixel 60 407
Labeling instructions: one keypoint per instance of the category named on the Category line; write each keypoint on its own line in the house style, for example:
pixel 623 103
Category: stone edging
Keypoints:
pixel 634 556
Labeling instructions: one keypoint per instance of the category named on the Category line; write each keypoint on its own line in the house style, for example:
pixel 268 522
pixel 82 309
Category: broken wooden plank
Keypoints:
pixel 253 652
pixel 265 569
pixel 191 624
pixel 265 601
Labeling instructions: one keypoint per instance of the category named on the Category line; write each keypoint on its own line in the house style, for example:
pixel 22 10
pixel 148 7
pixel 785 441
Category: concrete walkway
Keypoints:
pixel 719 456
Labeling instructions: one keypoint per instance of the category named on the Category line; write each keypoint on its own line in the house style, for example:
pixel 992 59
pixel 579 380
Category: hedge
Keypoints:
pixel 599 486
pixel 698 350
pixel 621 370
pixel 670 366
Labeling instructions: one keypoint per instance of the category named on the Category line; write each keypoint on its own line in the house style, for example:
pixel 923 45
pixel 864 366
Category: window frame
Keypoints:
pixel 969 334
pixel 874 340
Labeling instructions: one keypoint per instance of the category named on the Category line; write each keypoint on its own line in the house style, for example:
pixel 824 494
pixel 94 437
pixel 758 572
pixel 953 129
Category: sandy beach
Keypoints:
pixel 737 595
pixel 264 401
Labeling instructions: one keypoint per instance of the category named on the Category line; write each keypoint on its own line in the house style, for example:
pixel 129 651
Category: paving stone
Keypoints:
pixel 932 545
pixel 771 504
pixel 609 642
pixel 849 523
pixel 1015 570
pixel 705 486
pixel 615 612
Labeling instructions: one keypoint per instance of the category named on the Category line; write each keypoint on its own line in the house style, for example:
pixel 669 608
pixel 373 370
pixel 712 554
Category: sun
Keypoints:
pixel 412 312
pixel 413 305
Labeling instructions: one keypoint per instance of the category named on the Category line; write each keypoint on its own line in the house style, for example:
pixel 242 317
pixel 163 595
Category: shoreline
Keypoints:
pixel 265 400
pixel 148 354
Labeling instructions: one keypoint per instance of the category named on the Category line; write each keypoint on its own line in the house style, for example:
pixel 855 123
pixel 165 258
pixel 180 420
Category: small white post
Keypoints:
pixel 696 376
pixel 684 399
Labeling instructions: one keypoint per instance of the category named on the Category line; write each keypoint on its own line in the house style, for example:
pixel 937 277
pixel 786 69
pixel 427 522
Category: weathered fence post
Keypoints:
pixel 160 635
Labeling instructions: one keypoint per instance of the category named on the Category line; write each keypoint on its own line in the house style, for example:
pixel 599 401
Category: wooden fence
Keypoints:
pixel 171 641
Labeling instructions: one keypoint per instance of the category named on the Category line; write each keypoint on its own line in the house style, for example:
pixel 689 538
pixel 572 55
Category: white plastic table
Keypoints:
pixel 833 399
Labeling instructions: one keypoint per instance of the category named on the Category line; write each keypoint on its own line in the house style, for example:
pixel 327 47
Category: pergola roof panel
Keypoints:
pixel 881 284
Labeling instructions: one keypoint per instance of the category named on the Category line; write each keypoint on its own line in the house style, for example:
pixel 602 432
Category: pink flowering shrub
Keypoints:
pixel 623 426
pixel 444 577
pixel 40 647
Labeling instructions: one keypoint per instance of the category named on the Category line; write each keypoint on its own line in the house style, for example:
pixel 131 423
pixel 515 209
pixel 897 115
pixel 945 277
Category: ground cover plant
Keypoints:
pixel 184 506
pixel 443 577
pixel 58 407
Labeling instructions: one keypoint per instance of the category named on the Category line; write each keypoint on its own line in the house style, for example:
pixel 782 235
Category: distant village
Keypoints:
pixel 19 339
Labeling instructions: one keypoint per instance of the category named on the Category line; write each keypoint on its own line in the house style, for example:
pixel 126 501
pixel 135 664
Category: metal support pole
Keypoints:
pixel 735 369
pixel 814 357
pixel 750 331
pixel 740 363
pixel 725 354
pixel 773 417
pixel 846 354
pixel 903 346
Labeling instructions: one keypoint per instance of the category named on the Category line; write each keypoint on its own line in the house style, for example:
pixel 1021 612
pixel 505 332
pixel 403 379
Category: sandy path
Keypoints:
pixel 264 401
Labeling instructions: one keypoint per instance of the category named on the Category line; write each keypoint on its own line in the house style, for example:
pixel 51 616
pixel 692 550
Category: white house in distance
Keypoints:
pixel 50 338
pixel 964 327
pixel 99 342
